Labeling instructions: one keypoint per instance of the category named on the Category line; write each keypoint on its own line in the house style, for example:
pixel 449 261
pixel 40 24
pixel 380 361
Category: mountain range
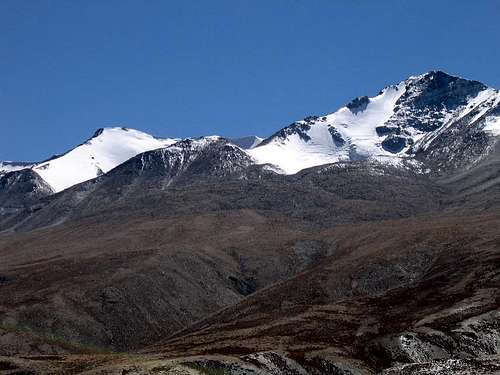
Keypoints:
pixel 362 241
pixel 417 120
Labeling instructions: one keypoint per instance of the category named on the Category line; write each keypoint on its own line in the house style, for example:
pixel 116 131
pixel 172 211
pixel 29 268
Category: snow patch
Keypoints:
pixel 492 125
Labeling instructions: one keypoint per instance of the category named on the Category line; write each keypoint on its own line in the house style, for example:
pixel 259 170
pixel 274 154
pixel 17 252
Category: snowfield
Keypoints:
pixel 356 133
pixel 107 149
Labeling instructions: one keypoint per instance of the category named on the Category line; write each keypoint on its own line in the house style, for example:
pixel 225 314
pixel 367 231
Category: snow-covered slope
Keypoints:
pixel 108 148
pixel 346 134
pixel 399 122
pixel 11 166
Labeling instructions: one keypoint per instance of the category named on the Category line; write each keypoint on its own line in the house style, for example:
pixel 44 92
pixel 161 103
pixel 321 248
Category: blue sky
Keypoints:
pixel 228 67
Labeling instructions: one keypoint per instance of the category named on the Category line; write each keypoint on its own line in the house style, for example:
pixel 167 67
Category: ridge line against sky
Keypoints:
pixel 233 68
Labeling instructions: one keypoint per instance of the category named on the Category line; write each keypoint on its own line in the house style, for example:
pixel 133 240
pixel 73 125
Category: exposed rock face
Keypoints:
pixel 298 128
pixel 21 188
pixel 358 104
pixel 428 99
pixel 476 336
pixel 473 366
pixel 394 143
pixel 338 140
pixel 462 143
pixel 188 160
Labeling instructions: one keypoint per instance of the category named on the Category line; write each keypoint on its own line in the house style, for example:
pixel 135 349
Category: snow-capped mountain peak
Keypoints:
pixel 398 123
pixel 106 149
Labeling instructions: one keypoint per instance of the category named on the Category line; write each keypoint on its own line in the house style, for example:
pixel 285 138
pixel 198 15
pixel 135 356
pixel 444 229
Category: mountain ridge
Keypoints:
pixel 390 126
pixel 416 120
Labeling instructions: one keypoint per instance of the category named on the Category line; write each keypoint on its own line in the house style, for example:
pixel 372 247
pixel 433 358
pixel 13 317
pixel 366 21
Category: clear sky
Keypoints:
pixel 228 67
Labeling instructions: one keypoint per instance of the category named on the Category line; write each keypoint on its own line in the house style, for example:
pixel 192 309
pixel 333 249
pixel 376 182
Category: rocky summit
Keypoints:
pixel 363 241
